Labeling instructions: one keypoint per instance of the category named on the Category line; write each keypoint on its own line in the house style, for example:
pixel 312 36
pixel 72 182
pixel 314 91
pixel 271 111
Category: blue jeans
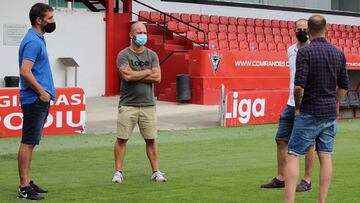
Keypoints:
pixel 309 130
pixel 286 124
pixel 34 117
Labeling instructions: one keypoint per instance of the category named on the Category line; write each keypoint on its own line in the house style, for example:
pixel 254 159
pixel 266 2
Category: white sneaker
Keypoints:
pixel 118 177
pixel 158 177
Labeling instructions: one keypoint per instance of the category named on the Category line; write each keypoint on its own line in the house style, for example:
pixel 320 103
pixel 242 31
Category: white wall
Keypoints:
pixel 238 12
pixel 79 34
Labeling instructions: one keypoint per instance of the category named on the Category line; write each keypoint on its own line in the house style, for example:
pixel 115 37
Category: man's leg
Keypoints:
pixel 325 175
pixel 309 163
pixel 119 153
pixel 152 153
pixel 24 162
pixel 291 177
pixel 281 159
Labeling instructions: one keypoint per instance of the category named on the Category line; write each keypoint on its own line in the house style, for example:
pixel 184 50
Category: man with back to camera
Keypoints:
pixel 286 121
pixel 321 80
pixel 37 89
pixel 139 68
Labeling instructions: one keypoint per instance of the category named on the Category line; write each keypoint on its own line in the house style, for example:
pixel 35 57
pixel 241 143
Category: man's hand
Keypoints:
pixel 129 74
pixel 45 97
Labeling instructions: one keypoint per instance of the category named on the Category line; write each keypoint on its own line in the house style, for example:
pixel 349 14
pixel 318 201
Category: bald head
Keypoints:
pixel 317 25
pixel 138 26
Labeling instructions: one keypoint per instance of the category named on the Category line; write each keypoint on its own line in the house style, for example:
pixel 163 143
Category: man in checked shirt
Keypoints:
pixel 321 80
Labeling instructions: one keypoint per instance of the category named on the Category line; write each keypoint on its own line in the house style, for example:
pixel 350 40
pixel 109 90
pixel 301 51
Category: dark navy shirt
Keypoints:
pixel 320 69
pixel 33 48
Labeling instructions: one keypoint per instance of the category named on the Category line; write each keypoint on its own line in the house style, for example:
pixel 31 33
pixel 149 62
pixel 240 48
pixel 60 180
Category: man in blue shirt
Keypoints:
pixel 321 80
pixel 37 89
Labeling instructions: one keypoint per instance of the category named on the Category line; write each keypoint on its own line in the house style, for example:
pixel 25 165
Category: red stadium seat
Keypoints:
pixel 251 38
pixel 263 46
pixel 357 35
pixel 204 27
pixel 185 17
pixel 241 29
pixel 337 34
pixel 213 44
pixel 175 15
pixel 233 45
pixel 276 31
pixel 259 30
pixel 222 36
pixel 195 25
pixel 348 43
pixel 348 28
pixel 204 19
pixel 281 47
pixel 214 19
pixel 250 22
pixel 267 23
pixel 272 46
pixel 278 39
pixel 354 50
pixel 212 36
pixel 334 41
pixel 267 31
pixel 260 38
pixel 241 37
pixel 259 22
pixel 213 28
pixel 232 29
pixel 223 45
pixel 283 24
pixel 342 28
pixel 335 27
pixel 269 38
pixel 144 16
pixel 201 37
pixel 172 26
pixel 253 46
pixel 291 25
pixel 329 27
pixel 192 35
pixel 241 21
pixel 286 39
pixel 250 30
pixel 155 16
pixel 352 35
pixel 275 23
pixel 162 16
pixel 232 36
pixel 195 18
pixel 344 35
pixel 223 20
pixel 243 45
pixel 355 28
pixel 356 43
pixel 182 27
pixel 232 21
pixel 347 50
pixel 330 34
pixel 284 32
pixel 341 42
pixel 222 28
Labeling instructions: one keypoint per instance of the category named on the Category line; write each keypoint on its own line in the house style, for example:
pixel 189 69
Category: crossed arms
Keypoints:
pixel 152 75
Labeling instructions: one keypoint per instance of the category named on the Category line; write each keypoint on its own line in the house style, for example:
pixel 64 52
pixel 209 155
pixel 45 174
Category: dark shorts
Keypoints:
pixel 286 124
pixel 34 117
pixel 309 130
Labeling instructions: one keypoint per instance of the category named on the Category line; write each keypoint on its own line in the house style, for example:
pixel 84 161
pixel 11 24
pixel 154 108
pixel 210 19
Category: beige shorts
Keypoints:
pixel 129 116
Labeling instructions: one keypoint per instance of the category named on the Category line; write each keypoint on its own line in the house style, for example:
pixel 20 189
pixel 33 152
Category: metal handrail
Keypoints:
pixel 172 17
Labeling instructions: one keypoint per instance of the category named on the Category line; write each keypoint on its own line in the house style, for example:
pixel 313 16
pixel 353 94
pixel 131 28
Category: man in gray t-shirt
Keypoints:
pixel 138 68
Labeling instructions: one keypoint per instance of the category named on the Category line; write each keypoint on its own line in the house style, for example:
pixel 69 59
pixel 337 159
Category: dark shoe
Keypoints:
pixel 28 193
pixel 37 188
pixel 303 186
pixel 274 183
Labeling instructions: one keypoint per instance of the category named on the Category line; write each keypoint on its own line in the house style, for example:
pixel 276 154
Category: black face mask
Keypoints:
pixel 49 28
pixel 302 36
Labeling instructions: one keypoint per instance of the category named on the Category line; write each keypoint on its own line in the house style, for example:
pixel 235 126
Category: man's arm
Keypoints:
pixel 340 94
pixel 298 95
pixel 128 74
pixel 154 77
pixel 26 74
